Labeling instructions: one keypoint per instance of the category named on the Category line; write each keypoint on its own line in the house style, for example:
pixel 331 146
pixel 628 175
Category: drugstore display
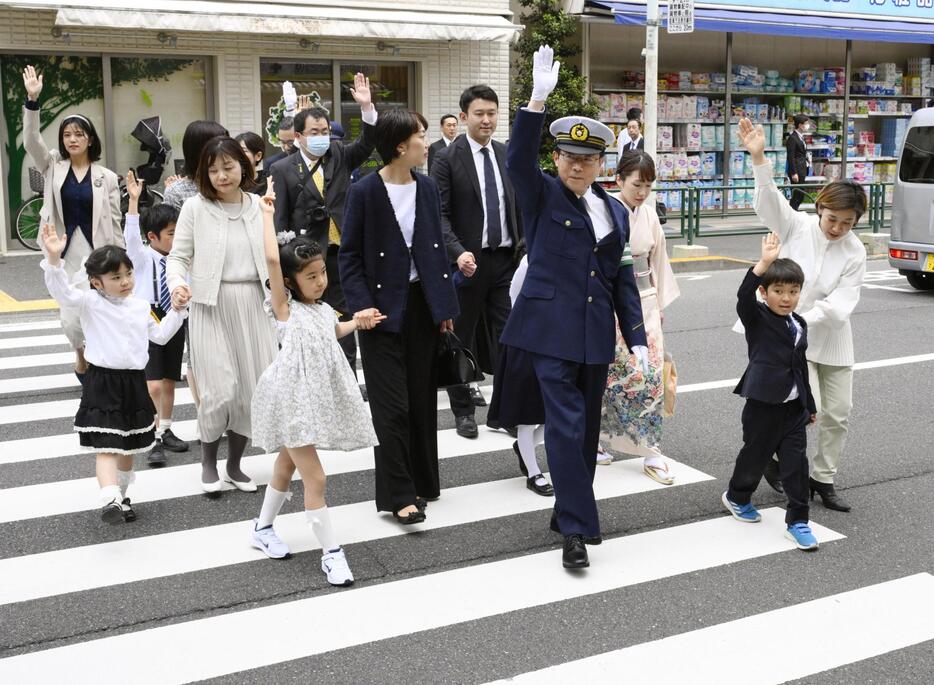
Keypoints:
pixel 692 113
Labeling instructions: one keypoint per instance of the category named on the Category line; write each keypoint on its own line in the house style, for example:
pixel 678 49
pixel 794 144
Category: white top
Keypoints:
pixel 402 198
pixel 833 272
pixel 117 331
pixel 793 395
pixel 475 147
pixel 599 215
pixel 238 267
pixel 518 278
pixel 146 262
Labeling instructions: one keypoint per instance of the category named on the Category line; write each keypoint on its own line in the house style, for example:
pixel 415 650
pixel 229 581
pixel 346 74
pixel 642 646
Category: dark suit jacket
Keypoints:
pixel 374 259
pixel 433 151
pixel 282 154
pixel 775 362
pixel 640 145
pixel 574 283
pixel 294 206
pixel 797 157
pixel 462 210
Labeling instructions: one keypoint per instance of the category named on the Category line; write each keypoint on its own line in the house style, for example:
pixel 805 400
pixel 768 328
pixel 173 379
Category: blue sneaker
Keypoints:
pixel 801 535
pixel 265 539
pixel 741 512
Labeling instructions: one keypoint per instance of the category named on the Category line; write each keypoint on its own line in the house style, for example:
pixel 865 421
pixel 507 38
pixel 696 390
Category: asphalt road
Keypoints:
pixel 419 613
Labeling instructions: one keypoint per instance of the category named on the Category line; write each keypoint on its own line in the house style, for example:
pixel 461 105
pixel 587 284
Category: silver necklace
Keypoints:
pixel 243 209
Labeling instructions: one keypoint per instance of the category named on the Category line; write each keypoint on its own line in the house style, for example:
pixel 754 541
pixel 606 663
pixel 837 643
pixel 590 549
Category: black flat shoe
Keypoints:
pixel 544 489
pixel 421 504
pixel 828 495
pixel 522 469
pixel 575 552
pixel 156 456
pixel 173 443
pixel 773 478
pixel 409 519
pixel 128 513
pixel 553 525
pixel 477 397
pixel 112 512
pixel 466 426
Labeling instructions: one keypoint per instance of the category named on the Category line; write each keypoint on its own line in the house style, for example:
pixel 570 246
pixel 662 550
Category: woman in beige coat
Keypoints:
pixel 82 198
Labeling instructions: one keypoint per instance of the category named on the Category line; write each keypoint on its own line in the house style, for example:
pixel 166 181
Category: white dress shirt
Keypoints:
pixel 475 148
pixel 146 262
pixel 631 144
pixel 117 331
pixel 402 198
pixel 599 215
pixel 793 395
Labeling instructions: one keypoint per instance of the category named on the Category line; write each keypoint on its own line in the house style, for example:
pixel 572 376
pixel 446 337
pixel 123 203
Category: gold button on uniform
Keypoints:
pixel 567 222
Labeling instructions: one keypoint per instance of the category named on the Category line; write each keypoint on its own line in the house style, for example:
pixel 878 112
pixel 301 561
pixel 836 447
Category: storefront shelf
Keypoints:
pixel 863 159
pixel 863 96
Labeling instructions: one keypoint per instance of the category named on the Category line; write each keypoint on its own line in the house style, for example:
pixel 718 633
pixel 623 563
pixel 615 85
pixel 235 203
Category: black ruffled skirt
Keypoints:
pixel 116 413
pixel 517 399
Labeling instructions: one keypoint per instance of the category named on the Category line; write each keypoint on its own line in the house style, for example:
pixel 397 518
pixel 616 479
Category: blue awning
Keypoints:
pixel 783 23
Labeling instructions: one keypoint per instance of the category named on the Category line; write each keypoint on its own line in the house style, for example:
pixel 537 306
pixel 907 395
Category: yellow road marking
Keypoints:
pixel 10 305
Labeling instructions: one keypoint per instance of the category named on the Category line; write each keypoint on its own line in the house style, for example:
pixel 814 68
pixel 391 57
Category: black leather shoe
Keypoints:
pixel 773 478
pixel 128 513
pixel 522 468
pixel 513 432
pixel 828 495
pixel 553 525
pixel 173 443
pixel 409 519
pixel 542 488
pixel 421 504
pixel 466 426
pixel 575 552
pixel 156 456
pixel 477 397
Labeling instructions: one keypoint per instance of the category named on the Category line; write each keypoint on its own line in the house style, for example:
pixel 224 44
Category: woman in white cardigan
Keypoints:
pixel 834 262
pixel 81 197
pixel 219 242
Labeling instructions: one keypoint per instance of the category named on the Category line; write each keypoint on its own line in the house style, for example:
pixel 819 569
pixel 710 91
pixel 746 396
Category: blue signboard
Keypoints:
pixel 895 9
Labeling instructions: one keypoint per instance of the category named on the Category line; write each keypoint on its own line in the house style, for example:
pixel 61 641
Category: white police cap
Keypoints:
pixel 581 135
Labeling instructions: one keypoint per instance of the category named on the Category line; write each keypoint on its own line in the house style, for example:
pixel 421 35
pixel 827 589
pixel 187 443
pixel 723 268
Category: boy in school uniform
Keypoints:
pixel 779 404
pixel 165 361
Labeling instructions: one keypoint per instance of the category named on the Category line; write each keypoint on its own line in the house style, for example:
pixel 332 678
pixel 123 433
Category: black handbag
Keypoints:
pixel 456 363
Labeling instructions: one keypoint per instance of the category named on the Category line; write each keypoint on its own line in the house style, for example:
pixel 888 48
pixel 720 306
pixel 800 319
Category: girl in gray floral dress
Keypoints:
pixel 308 398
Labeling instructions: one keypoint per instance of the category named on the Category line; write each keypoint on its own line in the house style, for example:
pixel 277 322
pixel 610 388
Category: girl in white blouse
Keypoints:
pixel 116 417
pixel 834 262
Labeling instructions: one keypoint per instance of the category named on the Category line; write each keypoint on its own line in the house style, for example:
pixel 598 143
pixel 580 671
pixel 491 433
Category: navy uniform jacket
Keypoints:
pixel 573 284
pixel 374 259
pixel 775 362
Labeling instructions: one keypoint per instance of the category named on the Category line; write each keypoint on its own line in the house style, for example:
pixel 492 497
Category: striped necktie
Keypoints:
pixel 165 300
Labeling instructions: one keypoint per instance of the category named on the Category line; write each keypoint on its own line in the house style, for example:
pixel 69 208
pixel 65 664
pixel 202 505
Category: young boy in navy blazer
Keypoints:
pixel 779 404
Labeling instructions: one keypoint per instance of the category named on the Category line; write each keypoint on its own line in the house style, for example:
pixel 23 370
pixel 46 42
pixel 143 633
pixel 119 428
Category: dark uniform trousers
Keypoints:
pixel 334 296
pixel 774 429
pixel 486 292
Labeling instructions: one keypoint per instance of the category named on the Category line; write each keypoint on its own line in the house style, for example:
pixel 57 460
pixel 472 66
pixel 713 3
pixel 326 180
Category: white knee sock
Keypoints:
pixel 320 522
pixel 272 503
pixel 110 493
pixel 528 437
pixel 124 480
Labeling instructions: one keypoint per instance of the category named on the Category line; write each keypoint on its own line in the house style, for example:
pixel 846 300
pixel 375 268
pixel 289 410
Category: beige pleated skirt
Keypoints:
pixel 231 344
pixel 78 251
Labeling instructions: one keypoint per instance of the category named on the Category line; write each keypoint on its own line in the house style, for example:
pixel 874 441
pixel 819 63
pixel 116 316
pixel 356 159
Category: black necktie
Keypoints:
pixel 494 227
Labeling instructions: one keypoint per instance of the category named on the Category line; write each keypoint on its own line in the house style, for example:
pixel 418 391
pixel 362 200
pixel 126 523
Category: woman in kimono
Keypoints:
pixel 632 405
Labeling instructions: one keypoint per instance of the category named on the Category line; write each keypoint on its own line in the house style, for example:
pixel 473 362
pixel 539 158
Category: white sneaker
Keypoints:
pixel 334 565
pixel 266 540
pixel 604 458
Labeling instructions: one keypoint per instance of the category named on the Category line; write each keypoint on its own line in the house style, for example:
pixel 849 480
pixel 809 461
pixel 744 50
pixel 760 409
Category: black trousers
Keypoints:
pixel 485 293
pixel 402 383
pixel 334 296
pixel 774 429
pixel 797 194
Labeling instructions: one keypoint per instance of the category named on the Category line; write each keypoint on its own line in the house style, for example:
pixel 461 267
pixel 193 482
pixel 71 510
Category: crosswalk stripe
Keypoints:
pixel 76 569
pixel 27 342
pixel 253 638
pixel 67 496
pixel 40 325
pixel 864 623
pixel 36 360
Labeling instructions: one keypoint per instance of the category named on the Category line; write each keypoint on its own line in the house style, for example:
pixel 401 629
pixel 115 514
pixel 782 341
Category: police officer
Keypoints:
pixel 564 315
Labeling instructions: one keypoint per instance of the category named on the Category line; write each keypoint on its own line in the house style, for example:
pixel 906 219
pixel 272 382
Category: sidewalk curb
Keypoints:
pixel 711 263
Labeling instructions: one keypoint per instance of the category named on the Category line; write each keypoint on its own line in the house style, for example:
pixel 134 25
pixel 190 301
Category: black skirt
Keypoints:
pixel 517 399
pixel 116 413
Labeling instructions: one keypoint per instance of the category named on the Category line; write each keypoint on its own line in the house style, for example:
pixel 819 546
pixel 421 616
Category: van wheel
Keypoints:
pixel 920 281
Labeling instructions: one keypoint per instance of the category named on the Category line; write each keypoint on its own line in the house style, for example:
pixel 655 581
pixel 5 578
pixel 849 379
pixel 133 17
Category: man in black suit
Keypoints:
pixel 798 161
pixel 636 141
pixel 481 228
pixel 448 134
pixel 311 188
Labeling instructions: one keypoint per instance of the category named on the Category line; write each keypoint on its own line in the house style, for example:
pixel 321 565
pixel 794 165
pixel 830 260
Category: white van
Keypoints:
pixel 911 247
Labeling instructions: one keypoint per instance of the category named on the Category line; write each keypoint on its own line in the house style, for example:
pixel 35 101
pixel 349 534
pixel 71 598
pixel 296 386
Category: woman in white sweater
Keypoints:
pixel 834 261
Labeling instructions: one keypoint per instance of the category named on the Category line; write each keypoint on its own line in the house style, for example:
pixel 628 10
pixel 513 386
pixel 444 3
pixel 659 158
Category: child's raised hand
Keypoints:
pixel 134 186
pixel 53 243
pixel 771 246
pixel 752 136
pixel 268 201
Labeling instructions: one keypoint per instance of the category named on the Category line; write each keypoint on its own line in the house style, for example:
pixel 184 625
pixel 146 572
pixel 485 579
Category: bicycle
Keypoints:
pixel 28 217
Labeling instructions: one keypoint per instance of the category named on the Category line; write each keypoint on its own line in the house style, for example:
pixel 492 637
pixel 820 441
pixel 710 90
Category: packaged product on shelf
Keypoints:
pixel 719 130
pixel 689 107
pixel 807 81
pixel 778 134
pixel 609 164
pixel 747 165
pixel 675 111
pixel 694 166
pixel 603 106
pixel 693 136
pixel 737 163
pixel 666 165
pixel 618 106
pixel 681 165
pixel 708 137
pixel 665 137
pixel 867 137
pixel 709 164
pixel 781 162
pixel 634 101
pixel 702 106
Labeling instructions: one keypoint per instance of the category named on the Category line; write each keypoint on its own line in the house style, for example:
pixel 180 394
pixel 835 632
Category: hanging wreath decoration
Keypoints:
pixel 288 106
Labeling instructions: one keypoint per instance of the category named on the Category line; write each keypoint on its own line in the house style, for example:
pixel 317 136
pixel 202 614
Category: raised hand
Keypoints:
pixel 33 82
pixel 544 73
pixel 134 187
pixel 752 137
pixel 304 102
pixel 52 243
pixel 174 178
pixel 268 201
pixel 361 91
pixel 289 97
pixel 771 246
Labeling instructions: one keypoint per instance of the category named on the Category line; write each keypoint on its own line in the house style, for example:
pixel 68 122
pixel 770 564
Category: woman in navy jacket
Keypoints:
pixel 393 263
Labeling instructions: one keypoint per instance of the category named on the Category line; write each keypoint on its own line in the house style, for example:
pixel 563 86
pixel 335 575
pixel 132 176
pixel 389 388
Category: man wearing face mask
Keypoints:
pixel 311 187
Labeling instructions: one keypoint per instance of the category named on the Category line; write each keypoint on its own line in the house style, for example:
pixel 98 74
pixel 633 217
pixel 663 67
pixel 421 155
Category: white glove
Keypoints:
pixel 544 73
pixel 289 97
pixel 641 353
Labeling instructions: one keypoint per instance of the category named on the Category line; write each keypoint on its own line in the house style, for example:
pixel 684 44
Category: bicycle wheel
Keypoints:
pixel 27 223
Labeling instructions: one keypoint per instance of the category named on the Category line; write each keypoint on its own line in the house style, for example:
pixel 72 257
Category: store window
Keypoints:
pixel 918 156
